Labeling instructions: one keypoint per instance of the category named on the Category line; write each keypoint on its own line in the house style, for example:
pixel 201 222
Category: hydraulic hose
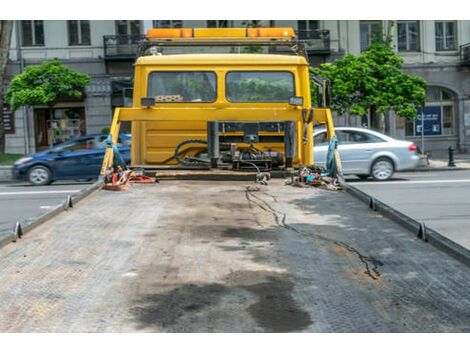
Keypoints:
pixel 185 160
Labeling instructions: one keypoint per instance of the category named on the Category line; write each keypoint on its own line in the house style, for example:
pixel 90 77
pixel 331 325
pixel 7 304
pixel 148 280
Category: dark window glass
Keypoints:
pixel 168 24
pixel 39 32
pixel 27 33
pixel 320 139
pixel 32 33
pixel 408 35
pixel 361 137
pixel 217 23
pixel 445 33
pixel 79 32
pixel 183 86
pixel 259 86
pixel 370 32
pixel 85 30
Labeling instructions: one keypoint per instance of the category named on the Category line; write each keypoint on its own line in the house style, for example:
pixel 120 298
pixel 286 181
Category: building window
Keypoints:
pixel 126 28
pixel 446 35
pixel 438 115
pixel 79 32
pixel 308 29
pixel 218 24
pixel 371 31
pixel 408 36
pixel 168 24
pixel 128 32
pixel 32 33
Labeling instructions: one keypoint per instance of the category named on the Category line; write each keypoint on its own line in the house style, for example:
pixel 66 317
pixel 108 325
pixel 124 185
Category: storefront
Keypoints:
pixel 437 124
pixel 58 125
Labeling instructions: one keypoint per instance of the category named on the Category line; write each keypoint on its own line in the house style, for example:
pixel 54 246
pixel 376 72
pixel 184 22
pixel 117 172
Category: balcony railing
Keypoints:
pixel 317 41
pixel 465 54
pixel 121 47
pixel 125 47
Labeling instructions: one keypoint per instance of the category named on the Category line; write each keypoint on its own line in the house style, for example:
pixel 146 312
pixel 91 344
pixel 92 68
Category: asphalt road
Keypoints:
pixel 23 202
pixel 440 199
pixel 182 256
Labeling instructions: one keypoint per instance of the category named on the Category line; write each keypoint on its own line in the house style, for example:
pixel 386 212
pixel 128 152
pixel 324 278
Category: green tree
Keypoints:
pixel 43 84
pixel 373 83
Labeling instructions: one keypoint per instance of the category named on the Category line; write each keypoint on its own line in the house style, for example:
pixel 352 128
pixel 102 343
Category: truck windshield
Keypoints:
pixel 182 86
pixel 259 86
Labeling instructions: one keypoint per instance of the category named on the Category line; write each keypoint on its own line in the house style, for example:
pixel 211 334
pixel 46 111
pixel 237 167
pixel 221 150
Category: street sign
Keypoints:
pixel 432 121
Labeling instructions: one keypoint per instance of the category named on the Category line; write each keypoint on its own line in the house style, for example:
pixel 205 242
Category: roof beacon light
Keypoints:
pixel 220 33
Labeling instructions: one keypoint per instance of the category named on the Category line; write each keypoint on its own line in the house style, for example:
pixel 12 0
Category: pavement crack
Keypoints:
pixel 371 264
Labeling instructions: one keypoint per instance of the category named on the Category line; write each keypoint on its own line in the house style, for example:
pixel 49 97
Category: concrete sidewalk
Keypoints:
pixel 440 162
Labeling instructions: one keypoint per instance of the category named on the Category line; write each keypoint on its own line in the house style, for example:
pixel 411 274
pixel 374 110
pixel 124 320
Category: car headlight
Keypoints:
pixel 23 160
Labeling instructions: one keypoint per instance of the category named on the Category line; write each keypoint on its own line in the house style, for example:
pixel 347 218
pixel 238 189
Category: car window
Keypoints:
pixel 343 137
pixel 80 145
pixel 363 137
pixel 320 139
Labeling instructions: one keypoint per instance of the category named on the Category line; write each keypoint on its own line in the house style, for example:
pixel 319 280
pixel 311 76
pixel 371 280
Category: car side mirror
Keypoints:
pixel 296 101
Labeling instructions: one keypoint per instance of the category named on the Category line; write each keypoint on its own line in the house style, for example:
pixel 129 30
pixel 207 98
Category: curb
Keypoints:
pixel 427 169
pixel 12 236
pixel 419 229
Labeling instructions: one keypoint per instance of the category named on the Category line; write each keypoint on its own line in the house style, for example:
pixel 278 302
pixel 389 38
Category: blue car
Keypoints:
pixel 79 158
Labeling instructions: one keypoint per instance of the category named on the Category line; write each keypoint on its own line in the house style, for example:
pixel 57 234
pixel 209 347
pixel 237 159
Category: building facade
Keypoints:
pixel 438 51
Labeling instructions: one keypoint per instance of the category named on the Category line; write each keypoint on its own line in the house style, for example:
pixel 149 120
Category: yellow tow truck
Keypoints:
pixel 231 110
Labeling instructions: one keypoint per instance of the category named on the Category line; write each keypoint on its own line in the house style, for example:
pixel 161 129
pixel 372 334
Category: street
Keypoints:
pixel 201 256
pixel 23 202
pixel 440 199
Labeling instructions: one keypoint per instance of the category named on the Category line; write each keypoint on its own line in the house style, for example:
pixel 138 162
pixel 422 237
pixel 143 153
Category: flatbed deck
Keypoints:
pixel 198 256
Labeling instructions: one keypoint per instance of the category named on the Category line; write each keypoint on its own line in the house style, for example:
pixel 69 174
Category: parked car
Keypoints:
pixel 367 153
pixel 79 158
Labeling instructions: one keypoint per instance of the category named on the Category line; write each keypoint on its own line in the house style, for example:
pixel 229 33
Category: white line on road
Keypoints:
pixel 38 192
pixel 407 182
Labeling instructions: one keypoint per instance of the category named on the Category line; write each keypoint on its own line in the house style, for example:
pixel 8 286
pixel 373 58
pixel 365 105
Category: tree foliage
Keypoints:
pixel 373 82
pixel 43 84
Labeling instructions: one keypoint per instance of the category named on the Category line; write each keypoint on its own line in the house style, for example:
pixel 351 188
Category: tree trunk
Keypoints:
pixel 377 121
pixel 6 28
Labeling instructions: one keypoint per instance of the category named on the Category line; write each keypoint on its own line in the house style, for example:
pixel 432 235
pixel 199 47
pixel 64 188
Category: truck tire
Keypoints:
pixel 382 169
pixel 39 175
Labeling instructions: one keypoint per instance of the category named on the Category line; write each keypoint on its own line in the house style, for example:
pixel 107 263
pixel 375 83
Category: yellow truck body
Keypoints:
pixel 157 129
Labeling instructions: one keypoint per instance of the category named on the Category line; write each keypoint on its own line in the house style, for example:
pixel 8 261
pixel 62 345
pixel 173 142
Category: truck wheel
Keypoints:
pixel 382 169
pixel 39 175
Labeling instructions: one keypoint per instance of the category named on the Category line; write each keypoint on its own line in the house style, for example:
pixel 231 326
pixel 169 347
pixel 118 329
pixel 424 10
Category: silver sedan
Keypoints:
pixel 367 153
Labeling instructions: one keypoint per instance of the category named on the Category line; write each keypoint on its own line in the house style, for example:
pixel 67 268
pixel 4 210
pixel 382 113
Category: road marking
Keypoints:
pixel 407 182
pixel 38 192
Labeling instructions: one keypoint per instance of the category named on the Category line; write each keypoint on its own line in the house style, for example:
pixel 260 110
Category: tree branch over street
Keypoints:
pixel 43 84
pixel 373 83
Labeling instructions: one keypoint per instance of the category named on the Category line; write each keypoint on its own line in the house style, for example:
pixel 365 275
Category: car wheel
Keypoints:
pixel 382 169
pixel 39 175
pixel 363 177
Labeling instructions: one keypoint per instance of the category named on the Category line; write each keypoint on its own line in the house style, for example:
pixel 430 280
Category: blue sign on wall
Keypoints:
pixel 432 121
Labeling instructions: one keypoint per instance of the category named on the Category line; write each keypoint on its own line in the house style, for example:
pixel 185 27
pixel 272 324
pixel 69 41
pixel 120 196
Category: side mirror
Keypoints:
pixel 296 101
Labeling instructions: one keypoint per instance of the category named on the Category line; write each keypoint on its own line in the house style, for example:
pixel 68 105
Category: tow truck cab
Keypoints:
pixel 230 110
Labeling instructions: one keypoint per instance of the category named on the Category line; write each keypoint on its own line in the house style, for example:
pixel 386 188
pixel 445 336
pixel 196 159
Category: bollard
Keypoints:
pixel 18 231
pixel 451 162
